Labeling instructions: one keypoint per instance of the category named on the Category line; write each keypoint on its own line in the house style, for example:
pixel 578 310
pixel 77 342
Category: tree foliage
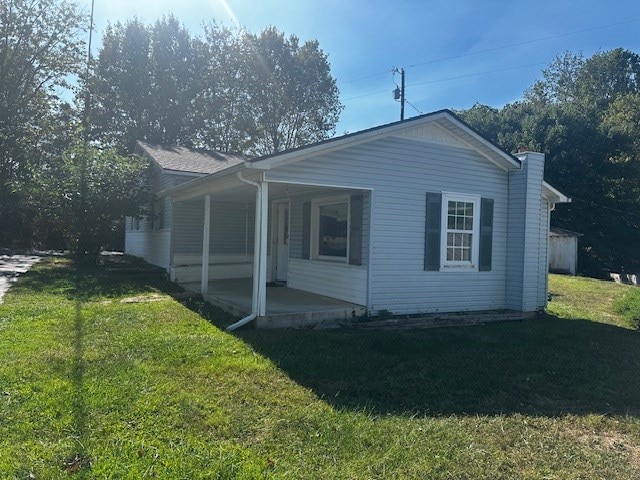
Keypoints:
pixel 143 86
pixel 86 193
pixel 228 90
pixel 293 98
pixel 40 46
pixel 584 114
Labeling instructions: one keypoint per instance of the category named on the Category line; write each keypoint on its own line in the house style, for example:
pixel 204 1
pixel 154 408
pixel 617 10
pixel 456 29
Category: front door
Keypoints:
pixel 281 241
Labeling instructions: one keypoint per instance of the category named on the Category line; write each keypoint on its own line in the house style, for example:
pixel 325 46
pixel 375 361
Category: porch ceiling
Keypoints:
pixel 240 192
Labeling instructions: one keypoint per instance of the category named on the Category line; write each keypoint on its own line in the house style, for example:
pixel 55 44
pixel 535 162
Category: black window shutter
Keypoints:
pixel 432 232
pixel 355 231
pixel 486 234
pixel 306 230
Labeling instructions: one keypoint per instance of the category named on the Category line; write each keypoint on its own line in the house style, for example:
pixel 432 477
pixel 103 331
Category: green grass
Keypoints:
pixel 91 387
pixel 629 307
pixel 595 300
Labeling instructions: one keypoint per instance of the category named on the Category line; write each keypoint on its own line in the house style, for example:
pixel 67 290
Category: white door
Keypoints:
pixel 282 242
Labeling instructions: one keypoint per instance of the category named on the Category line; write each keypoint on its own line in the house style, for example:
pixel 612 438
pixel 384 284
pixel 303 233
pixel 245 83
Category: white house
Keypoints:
pixel 419 216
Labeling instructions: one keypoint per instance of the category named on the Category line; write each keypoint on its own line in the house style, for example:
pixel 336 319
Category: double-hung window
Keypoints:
pixel 458 232
pixel 460 215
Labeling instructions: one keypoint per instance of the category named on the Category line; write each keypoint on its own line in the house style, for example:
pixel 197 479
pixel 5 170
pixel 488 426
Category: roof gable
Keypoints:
pixel 176 159
pixel 442 127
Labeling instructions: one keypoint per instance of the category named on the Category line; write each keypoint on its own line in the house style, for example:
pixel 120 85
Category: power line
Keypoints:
pixel 478 74
pixel 493 49
pixel 366 77
pixel 448 79
pixel 524 42
pixel 364 95
pixel 594 204
pixel 414 107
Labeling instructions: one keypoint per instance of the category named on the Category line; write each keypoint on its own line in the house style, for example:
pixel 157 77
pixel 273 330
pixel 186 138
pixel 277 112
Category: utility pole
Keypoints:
pixel 398 93
pixel 87 94
pixel 83 247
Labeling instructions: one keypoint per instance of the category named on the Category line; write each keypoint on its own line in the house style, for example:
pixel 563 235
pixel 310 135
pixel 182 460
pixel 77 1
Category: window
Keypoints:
pixel 157 214
pixel 458 232
pixel 460 214
pixel 331 228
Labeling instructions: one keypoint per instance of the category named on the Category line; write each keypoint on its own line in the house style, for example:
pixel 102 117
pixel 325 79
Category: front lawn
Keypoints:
pixel 108 376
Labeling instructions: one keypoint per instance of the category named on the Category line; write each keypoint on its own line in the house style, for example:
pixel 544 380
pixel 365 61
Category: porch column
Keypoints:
pixel 262 280
pixel 256 254
pixel 204 282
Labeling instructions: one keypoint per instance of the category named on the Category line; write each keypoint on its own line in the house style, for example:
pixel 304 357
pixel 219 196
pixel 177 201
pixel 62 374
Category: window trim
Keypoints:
pixel 453 265
pixel 315 227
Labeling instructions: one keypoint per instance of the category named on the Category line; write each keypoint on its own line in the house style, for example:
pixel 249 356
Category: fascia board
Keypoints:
pixel 553 194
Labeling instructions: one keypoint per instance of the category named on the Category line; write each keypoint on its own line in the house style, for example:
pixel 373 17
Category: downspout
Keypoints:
pixel 256 264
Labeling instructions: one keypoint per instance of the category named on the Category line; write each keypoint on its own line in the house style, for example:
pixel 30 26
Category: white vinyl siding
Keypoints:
pixel 153 246
pixel 399 171
pixel 332 279
pixel 543 260
pixel 149 237
pixel 527 249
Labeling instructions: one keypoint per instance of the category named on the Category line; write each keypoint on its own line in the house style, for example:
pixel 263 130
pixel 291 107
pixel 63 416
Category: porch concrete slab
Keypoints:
pixel 286 307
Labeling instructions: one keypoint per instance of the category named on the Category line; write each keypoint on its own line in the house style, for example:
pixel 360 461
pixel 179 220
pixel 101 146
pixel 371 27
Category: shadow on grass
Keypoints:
pixel 78 461
pixel 62 277
pixel 547 366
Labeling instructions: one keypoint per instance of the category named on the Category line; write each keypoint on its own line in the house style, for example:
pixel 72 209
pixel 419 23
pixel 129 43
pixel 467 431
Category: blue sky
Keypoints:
pixel 452 51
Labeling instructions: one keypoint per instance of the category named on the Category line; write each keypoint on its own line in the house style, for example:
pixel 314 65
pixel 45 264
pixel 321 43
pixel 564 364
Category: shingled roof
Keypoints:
pixel 183 159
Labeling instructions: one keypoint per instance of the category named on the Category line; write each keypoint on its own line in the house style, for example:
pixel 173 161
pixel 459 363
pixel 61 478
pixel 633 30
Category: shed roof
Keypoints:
pixel 189 160
pixel 561 232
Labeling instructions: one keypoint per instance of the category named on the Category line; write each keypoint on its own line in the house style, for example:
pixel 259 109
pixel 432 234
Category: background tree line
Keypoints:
pixel 237 91
pixel 584 114
pixel 66 172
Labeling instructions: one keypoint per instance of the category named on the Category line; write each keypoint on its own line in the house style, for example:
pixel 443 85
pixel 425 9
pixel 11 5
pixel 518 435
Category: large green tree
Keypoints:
pixel 228 90
pixel 145 84
pixel 41 46
pixel 222 117
pixel 293 97
pixel 583 114
pixel 86 193
pixel 121 88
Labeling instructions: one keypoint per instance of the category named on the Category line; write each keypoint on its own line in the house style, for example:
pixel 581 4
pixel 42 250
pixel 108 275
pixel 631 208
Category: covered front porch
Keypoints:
pixel 285 306
pixel 279 254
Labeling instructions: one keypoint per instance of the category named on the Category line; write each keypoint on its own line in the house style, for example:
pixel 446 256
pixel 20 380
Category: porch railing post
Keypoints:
pixel 204 281
pixel 256 254
pixel 264 215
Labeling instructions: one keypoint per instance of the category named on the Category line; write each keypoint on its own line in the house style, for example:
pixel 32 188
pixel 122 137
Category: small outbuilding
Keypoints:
pixel 563 250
